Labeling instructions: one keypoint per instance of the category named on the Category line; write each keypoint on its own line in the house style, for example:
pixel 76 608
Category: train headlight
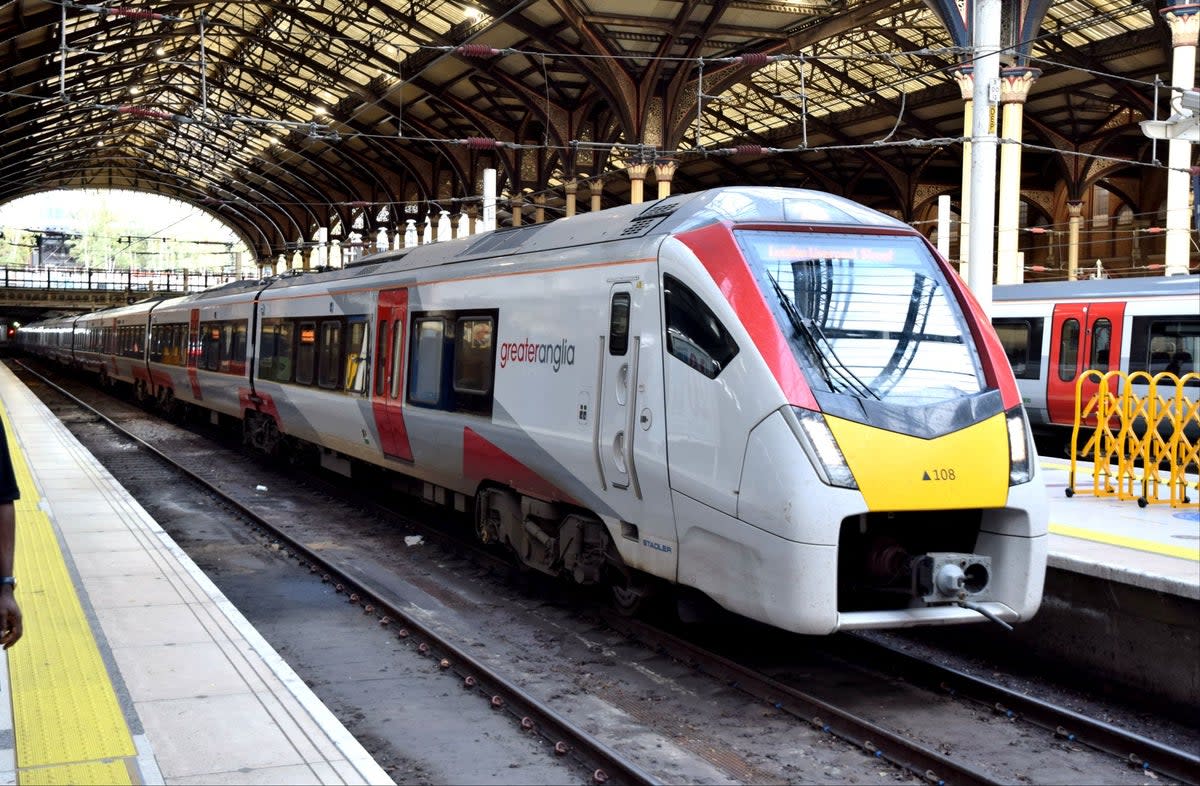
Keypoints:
pixel 1020 450
pixel 823 450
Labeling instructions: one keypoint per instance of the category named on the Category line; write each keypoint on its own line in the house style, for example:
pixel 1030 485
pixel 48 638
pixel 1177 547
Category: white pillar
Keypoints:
pixel 637 182
pixel 488 219
pixel 322 239
pixel 443 226
pixel 427 230
pixel 1075 211
pixel 1014 88
pixel 966 86
pixel 410 233
pixel 1184 20
pixel 381 240
pixel 463 227
pixel 943 225
pixel 986 40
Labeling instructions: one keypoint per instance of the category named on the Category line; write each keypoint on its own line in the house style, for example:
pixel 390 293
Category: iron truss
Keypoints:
pixel 279 117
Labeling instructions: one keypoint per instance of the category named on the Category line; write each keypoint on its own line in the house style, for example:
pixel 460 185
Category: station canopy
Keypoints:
pixel 279 117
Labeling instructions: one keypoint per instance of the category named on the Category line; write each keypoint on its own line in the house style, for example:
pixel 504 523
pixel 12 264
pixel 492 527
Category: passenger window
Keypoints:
pixel 1022 342
pixel 1068 350
pixel 1171 345
pixel 356 356
pixel 694 334
pixel 618 324
pixel 210 352
pixel 473 356
pixel 1101 345
pixel 329 362
pixel 284 348
pixel 425 376
pixel 306 353
pixel 238 355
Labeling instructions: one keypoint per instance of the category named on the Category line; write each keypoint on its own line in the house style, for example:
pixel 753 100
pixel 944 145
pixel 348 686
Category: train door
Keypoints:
pixel 630 431
pixel 1084 336
pixel 387 383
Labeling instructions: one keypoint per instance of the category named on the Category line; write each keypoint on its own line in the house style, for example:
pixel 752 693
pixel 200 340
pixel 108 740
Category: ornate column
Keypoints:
pixel 539 210
pixel 637 182
pixel 1015 83
pixel 444 230
pixel 664 170
pixel 1075 210
pixel 515 203
pixel 966 87
pixel 1184 20
pixel 570 187
pixel 596 189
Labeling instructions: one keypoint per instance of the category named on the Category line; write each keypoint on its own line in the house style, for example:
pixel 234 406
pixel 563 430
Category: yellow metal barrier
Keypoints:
pixel 1141 447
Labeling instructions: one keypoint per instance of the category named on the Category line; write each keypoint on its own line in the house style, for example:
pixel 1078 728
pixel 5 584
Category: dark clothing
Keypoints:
pixel 8 481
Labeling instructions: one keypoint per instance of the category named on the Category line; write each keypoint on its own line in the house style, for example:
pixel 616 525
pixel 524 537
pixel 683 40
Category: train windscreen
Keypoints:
pixel 868 316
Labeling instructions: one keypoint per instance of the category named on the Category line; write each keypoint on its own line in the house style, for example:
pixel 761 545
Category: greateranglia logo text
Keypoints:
pixel 553 355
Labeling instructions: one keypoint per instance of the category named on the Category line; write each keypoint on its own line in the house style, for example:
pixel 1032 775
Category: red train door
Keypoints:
pixel 387 383
pixel 1086 336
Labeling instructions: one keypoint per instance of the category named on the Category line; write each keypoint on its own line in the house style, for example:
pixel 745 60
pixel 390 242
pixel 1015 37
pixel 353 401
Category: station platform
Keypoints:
pixel 1156 547
pixel 133 667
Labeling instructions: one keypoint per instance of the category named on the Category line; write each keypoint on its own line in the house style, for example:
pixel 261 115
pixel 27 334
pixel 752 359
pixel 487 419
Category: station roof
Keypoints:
pixel 281 116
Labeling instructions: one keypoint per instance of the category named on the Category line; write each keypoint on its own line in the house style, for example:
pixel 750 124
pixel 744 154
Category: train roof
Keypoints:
pixel 1092 289
pixel 678 213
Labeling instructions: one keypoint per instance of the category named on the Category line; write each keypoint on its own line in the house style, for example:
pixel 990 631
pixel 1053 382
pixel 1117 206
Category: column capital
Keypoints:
pixel 637 171
pixel 1184 21
pixel 571 186
pixel 664 169
pixel 965 76
pixel 1075 208
pixel 1016 82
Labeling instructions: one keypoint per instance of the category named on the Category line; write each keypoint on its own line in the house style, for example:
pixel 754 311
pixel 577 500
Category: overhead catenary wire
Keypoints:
pixel 319 133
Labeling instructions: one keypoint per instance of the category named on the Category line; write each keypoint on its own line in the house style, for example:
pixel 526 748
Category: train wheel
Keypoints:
pixel 632 593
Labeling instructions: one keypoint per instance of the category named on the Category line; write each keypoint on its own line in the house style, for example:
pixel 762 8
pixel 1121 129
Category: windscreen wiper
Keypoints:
pixel 812 334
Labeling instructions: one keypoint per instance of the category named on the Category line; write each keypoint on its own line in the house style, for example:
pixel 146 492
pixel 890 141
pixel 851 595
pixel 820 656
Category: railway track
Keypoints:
pixel 782 693
pixel 530 713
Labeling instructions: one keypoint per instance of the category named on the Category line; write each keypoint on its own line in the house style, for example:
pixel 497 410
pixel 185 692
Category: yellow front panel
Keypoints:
pixel 964 469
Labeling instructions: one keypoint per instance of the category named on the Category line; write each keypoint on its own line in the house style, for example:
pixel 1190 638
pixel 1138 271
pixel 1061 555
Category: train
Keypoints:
pixel 777 398
pixel 1053 332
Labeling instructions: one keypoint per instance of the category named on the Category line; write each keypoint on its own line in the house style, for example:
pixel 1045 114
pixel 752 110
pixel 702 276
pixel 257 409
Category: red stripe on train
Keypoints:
pixel 716 249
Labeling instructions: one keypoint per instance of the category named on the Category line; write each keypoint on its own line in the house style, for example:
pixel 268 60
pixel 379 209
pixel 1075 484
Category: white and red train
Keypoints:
pixel 777 397
pixel 1055 331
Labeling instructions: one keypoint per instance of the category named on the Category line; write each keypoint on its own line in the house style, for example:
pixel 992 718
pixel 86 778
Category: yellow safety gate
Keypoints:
pixel 1142 447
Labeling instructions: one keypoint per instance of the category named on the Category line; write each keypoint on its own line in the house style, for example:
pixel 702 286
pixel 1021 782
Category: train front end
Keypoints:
pixel 899 484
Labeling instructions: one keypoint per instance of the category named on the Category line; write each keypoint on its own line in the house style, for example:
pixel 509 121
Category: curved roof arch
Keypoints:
pixel 279 115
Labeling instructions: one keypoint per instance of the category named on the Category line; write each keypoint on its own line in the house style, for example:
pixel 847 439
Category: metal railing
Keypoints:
pixel 127 280
pixel 1142 446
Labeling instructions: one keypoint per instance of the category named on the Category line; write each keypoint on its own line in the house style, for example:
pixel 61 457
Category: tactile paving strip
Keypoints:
pixel 67 722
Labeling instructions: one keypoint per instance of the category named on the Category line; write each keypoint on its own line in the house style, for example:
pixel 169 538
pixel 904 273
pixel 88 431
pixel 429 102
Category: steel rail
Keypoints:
pixel 533 714
pixel 926 764
pixel 1136 750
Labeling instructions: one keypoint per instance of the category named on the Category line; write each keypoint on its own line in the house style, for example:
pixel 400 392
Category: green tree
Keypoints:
pixel 100 244
pixel 16 248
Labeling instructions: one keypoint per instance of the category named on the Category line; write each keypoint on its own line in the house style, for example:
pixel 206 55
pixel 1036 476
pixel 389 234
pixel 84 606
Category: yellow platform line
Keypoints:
pixel 1183 552
pixel 67 721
